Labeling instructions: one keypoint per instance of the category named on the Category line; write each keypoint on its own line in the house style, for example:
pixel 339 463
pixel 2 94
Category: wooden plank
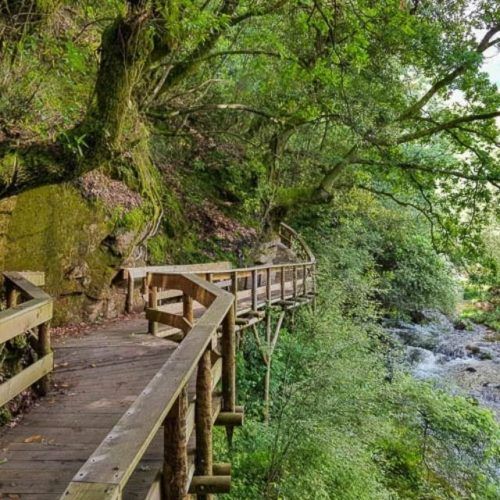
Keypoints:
pixel 35 277
pixel 141 272
pixel 25 286
pixel 26 378
pixel 167 318
pixel 23 317
pixel 91 491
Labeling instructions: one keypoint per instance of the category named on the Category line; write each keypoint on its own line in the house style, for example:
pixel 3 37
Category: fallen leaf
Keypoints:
pixel 37 438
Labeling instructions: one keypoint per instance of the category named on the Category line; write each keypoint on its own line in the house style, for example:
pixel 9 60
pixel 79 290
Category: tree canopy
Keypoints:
pixel 313 96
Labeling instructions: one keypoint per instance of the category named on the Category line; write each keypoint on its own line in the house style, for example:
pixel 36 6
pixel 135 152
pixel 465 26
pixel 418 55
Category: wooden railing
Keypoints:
pixel 135 276
pixel 183 396
pixel 165 401
pixel 28 308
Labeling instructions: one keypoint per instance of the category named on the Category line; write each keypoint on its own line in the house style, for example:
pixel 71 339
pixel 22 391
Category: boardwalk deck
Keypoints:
pixel 97 377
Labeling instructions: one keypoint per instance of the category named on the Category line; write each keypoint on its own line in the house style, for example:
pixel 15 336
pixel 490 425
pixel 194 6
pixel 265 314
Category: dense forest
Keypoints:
pixel 182 131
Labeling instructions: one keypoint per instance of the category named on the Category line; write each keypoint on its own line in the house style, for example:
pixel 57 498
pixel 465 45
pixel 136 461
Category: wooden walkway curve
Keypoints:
pixel 130 413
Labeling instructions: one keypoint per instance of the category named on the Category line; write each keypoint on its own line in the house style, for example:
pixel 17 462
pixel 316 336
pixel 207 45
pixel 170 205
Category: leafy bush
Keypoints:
pixel 391 247
pixel 415 277
pixel 345 426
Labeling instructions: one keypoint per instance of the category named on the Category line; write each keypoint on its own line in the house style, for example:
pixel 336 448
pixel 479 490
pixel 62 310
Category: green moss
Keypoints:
pixel 157 249
pixel 52 229
pixel 134 219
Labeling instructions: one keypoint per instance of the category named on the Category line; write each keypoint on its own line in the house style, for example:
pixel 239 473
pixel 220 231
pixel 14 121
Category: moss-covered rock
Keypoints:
pixel 53 229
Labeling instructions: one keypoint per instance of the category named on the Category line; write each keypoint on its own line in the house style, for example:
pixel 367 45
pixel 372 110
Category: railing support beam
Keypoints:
pixel 153 304
pixel 187 308
pixel 203 419
pixel 175 464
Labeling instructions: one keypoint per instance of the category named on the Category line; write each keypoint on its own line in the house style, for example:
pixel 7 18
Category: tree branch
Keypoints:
pixel 184 67
pixel 255 52
pixel 483 45
pixel 443 126
pixel 422 168
pixel 213 107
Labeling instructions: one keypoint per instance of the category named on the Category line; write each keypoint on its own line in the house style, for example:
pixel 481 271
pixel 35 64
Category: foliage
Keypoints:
pixel 312 98
pixel 482 293
pixel 385 251
pixel 346 422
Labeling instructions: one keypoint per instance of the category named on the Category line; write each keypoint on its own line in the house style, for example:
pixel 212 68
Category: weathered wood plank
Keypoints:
pixel 26 378
pixel 91 491
pixel 141 272
pixel 167 318
pixel 20 319
pixel 25 286
pixel 35 277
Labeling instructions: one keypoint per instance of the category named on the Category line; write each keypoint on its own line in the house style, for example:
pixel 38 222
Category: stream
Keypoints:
pixel 463 359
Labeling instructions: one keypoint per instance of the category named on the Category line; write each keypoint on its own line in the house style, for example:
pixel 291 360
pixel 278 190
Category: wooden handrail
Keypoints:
pixel 19 318
pixel 293 235
pixel 202 355
pixel 212 269
pixel 108 469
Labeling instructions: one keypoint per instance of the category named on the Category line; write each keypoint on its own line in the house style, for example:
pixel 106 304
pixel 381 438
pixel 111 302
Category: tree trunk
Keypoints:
pixel 125 48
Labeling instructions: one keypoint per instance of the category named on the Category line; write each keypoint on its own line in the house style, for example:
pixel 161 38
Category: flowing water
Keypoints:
pixel 461 358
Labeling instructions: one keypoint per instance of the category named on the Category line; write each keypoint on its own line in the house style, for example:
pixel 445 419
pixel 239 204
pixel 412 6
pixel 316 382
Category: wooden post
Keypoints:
pixel 153 304
pixel 313 275
pixel 203 419
pixel 208 277
pixel 229 362
pixel 229 368
pixel 254 290
pixel 175 458
pixel 304 280
pixel 234 290
pixel 187 308
pixel 294 282
pixel 282 280
pixel 268 285
pixel 130 294
pixel 43 350
pixel 12 294
pixel 267 362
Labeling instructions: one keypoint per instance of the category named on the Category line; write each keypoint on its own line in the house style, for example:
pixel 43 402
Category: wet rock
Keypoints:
pixel 461 360
pixel 275 252
pixel 474 349
pixel 463 324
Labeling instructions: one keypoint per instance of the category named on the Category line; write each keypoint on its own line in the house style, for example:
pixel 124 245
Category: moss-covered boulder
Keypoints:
pixel 55 230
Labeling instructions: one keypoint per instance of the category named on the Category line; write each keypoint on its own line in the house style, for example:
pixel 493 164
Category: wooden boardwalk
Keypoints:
pixel 97 376
pixel 132 405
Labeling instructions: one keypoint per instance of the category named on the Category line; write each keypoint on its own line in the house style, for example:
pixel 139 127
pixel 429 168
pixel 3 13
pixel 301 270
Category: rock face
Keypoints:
pixel 275 252
pixel 55 230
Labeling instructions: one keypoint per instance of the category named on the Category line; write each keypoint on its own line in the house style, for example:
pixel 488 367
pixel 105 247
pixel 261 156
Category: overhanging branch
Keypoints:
pixel 446 126
pixel 486 42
